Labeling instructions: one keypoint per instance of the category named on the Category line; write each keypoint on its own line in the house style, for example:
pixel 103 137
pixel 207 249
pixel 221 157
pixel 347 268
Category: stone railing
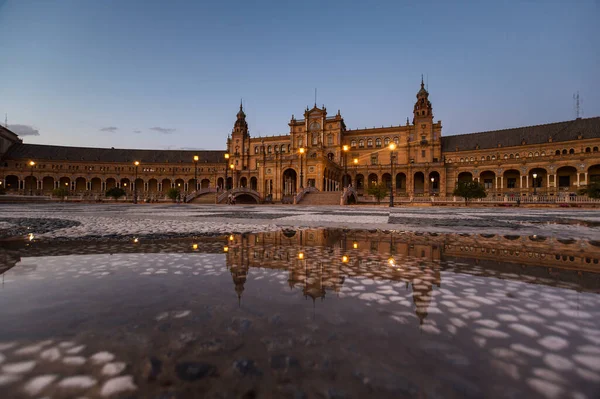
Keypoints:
pixel 505 199
pixel 239 190
pixel 298 197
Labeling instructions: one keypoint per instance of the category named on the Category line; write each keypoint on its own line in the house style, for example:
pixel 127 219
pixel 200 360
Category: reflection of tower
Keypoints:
pixel 239 274
pixel 313 282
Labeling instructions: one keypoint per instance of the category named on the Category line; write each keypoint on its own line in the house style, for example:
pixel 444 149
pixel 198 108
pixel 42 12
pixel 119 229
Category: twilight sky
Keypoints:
pixel 170 74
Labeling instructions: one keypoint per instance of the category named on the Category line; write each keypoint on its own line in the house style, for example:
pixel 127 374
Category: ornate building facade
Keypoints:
pixel 319 151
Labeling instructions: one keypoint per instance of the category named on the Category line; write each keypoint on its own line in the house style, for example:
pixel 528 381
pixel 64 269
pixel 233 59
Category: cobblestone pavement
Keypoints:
pixel 169 220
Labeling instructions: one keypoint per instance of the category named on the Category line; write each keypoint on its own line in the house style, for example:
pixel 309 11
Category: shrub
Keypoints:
pixel 379 191
pixel 469 190
pixel 173 193
pixel 115 192
pixel 60 192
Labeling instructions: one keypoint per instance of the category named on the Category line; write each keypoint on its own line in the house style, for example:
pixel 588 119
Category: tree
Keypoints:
pixel 592 190
pixel 469 190
pixel 115 192
pixel 173 193
pixel 379 191
pixel 60 192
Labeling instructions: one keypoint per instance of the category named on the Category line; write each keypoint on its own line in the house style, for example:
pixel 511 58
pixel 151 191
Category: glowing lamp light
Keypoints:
pixel 344 259
pixel 136 163
pixel 231 166
pixel 226 156
pixel 31 163
pixel 391 261
pixel 125 184
pixel 196 158
pixel 301 150
pixel 136 240
pixel 225 249
pixel 355 245
pixel 392 146
pixel 301 255
pixel 178 184
pixel 194 246
pixel 345 148
pixel 30 236
pixel 231 237
pixel 355 161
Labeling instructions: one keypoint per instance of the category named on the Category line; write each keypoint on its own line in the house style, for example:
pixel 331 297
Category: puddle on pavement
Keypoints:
pixel 308 313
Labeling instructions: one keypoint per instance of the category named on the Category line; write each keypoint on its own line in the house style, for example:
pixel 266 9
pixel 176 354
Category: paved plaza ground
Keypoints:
pixel 73 221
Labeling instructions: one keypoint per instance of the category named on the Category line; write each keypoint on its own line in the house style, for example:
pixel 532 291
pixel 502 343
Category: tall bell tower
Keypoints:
pixel 424 140
pixel 239 148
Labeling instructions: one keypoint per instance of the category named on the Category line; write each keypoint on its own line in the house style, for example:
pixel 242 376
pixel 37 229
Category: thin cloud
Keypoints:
pixel 137 131
pixel 163 130
pixel 111 129
pixel 24 130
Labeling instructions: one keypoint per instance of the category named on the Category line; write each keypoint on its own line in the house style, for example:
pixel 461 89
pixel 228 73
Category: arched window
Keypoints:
pixel 462 160
pixel 543 153
pixel 300 142
pixel 517 155
pixel 386 141
pixel 571 151
pixel 588 149
pixel 276 149
pixel 378 142
pixel 315 138
pixel 256 150
pixel 511 156
pixel 595 149
pixel 530 154
pixel 493 157
pixel 289 148
pixel 370 143
pixel 283 148
pixel 397 140
pixel 314 126
pixel 449 160
pixel 482 158
pixel 557 152
pixel 472 159
pixel 537 154
pixel 505 156
pixel 329 139
pixel 353 143
pixel 564 152
pixel 361 143
pixel 487 158
pixel 269 149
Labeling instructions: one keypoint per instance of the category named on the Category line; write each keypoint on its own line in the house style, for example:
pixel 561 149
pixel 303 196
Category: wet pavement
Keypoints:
pixel 302 313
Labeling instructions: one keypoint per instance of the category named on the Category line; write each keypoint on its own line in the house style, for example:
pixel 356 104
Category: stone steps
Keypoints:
pixel 208 198
pixel 322 198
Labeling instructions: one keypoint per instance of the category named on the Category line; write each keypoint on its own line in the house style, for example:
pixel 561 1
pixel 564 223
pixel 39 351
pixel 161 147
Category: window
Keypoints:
pixel 487 183
pixel 373 159
pixel 537 154
pixel 472 159
pixel 314 126
pixel 505 156
pixel 434 136
pixel 386 141
pixel 564 152
pixel 423 153
pixel 361 144
pixel 564 181
pixel 315 139
pixel 353 143
pixel 397 140
pixel 517 156
pixel 276 149
pixel 487 158
pixel 289 148
pixel 482 158
pixel 571 151
pixel 256 150
pixel 378 142
pixel 493 157
pixel 269 149
pixel 542 154
pixel 557 152
pixel 329 139
pixel 370 143
pixel 300 142
pixel 423 137
pixel 530 154
pixel 511 182
pixel 462 160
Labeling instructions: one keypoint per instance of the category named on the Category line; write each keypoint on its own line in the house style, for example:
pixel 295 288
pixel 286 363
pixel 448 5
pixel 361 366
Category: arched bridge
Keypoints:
pixel 239 192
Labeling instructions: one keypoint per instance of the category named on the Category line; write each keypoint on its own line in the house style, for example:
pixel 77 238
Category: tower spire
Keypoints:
pixel 241 106
pixel 422 85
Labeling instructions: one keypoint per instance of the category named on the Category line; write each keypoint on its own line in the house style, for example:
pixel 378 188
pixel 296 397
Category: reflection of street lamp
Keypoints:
pixel 196 158
pixel 534 182
pixel 226 166
pixel 345 148
pixel 32 164
pixel 392 148
pixel 136 163
pixel 301 151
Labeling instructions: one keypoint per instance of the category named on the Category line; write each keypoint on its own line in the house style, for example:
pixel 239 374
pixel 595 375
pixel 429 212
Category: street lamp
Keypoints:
pixel 196 158
pixel 232 166
pixel 345 148
pixel 136 163
pixel 534 183
pixel 301 151
pixel 32 164
pixel 226 166
pixel 392 147
pixel 432 180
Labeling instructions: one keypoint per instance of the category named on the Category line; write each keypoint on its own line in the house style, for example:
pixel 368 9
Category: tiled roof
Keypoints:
pixel 85 154
pixel 539 134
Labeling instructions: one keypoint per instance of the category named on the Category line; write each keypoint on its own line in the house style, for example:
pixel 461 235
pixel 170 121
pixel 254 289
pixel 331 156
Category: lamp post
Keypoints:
pixel 301 151
pixel 226 167
pixel 432 180
pixel 392 148
pixel 32 164
pixel 196 172
pixel 355 161
pixel 534 183
pixel 136 163
pixel 231 166
pixel 345 148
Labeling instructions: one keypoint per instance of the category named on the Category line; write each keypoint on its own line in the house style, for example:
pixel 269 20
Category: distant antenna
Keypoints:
pixel 577 105
pixel 315 96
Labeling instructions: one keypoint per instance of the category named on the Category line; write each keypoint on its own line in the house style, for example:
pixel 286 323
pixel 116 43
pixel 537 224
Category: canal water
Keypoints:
pixel 301 314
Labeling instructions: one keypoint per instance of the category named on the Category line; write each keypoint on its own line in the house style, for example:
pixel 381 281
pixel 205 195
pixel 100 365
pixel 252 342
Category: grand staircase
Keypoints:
pixel 321 198
pixel 208 198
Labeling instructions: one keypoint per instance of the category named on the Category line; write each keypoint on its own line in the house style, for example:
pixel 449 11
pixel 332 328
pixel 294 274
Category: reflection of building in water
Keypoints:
pixel 317 261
